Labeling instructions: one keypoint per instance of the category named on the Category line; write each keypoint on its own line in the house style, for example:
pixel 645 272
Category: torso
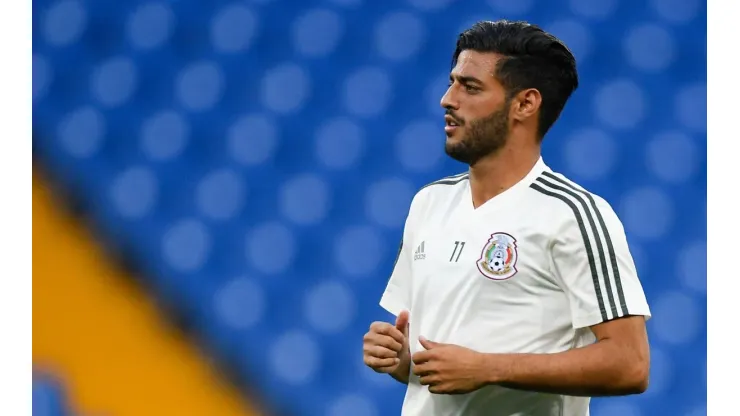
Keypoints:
pixel 482 278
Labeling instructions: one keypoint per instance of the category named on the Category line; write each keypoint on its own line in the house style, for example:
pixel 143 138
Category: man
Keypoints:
pixel 514 288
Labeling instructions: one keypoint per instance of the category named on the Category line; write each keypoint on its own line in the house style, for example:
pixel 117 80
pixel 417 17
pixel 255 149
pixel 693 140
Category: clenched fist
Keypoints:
pixel 386 347
pixel 448 368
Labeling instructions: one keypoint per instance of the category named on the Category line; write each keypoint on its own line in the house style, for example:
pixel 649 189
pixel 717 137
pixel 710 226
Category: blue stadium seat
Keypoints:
pixel 48 396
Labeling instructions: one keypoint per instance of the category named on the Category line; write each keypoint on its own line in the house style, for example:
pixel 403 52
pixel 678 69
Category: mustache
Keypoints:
pixel 457 119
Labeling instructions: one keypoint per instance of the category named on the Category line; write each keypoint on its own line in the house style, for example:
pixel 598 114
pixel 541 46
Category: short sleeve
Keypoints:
pixel 593 261
pixel 397 295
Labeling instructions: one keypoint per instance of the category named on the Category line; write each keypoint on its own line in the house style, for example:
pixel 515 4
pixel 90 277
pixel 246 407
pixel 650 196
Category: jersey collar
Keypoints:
pixel 510 193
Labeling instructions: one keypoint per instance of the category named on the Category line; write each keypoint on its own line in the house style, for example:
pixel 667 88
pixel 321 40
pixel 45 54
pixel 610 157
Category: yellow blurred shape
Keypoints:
pixel 115 353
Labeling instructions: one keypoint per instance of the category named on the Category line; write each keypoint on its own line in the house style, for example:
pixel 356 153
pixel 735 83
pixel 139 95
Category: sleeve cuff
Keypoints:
pixel 596 318
pixel 392 304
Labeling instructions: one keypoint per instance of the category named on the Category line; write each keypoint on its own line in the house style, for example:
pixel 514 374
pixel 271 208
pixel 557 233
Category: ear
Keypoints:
pixel 526 104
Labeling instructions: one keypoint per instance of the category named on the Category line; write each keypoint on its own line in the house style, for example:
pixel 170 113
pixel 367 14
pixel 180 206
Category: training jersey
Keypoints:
pixel 529 271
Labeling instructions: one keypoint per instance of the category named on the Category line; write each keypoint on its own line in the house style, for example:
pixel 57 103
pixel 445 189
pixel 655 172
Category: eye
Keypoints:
pixel 470 88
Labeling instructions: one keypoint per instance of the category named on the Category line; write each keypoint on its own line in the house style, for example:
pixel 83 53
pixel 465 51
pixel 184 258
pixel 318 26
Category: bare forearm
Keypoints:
pixel 601 369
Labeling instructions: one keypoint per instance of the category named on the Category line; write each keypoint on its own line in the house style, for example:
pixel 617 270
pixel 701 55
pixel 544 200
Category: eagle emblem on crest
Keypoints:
pixel 498 257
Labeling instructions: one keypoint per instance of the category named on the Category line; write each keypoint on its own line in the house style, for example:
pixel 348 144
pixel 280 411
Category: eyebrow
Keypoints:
pixel 466 79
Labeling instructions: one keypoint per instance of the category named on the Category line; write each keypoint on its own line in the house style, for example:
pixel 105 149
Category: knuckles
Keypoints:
pixel 378 326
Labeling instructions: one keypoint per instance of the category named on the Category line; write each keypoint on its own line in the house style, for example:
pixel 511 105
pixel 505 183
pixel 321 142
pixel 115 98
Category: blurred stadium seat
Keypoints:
pixel 49 396
pixel 256 159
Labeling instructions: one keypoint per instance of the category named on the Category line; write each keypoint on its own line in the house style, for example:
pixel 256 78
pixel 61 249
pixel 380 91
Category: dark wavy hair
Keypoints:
pixel 532 58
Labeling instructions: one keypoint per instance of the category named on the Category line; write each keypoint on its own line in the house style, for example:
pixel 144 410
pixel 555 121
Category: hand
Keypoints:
pixel 448 368
pixel 386 346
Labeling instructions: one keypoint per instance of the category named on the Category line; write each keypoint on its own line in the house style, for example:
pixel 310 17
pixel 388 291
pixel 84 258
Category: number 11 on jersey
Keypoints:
pixel 459 246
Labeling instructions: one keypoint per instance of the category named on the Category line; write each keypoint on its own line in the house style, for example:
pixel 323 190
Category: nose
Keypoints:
pixel 448 101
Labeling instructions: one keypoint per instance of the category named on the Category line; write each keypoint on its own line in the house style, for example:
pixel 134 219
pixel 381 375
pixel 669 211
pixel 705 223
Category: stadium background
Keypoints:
pixel 219 189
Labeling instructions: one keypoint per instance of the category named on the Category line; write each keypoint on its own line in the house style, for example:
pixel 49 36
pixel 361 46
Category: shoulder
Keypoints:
pixel 443 184
pixel 570 205
pixel 443 189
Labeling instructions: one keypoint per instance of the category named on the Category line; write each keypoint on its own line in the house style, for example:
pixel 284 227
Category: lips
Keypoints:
pixel 450 124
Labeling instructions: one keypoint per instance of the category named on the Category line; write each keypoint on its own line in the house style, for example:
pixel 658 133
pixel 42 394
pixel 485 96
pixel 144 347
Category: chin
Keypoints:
pixel 454 139
pixel 456 150
pixel 451 146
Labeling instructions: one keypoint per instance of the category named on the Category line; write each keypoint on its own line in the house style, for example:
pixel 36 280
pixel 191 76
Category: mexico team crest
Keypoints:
pixel 498 258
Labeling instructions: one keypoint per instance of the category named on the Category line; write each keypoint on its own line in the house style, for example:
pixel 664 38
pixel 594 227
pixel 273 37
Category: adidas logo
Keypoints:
pixel 419 253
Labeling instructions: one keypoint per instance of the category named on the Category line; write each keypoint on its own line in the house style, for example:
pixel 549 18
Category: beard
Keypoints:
pixel 482 137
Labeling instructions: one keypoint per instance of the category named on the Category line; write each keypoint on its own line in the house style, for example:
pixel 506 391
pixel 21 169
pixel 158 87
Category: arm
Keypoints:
pixel 590 257
pixel 397 295
pixel 396 299
pixel 617 364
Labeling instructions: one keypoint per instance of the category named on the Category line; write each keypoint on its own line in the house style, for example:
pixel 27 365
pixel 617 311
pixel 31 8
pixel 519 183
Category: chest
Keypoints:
pixel 482 262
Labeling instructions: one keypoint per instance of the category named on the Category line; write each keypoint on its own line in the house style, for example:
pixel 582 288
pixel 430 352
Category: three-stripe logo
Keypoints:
pixel 595 235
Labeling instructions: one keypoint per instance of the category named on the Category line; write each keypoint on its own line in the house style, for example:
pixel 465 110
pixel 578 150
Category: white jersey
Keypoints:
pixel 529 271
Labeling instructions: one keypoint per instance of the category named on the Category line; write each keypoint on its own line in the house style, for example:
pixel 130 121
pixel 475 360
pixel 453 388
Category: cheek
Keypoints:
pixel 479 108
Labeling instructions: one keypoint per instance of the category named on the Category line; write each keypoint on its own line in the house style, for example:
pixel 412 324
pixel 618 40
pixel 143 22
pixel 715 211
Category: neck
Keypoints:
pixel 500 171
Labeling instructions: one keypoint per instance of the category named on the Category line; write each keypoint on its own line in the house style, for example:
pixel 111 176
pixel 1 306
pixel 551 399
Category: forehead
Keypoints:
pixel 480 65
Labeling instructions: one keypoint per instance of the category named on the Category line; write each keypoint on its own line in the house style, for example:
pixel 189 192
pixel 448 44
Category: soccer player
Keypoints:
pixel 514 289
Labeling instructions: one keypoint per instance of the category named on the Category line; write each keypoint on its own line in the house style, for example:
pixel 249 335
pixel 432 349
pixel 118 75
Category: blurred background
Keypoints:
pixel 219 189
